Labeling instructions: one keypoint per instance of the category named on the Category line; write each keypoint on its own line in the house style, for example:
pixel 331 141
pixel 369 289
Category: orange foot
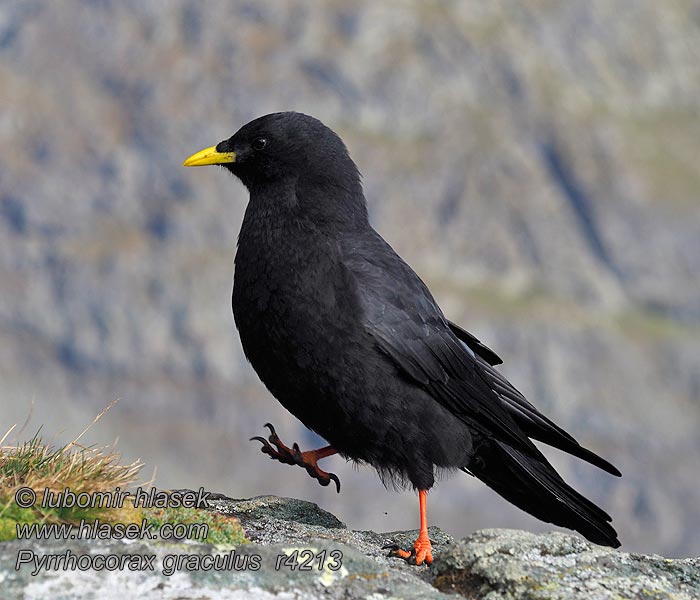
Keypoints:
pixel 294 456
pixel 422 552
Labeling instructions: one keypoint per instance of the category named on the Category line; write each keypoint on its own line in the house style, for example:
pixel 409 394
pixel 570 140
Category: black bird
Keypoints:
pixel 349 339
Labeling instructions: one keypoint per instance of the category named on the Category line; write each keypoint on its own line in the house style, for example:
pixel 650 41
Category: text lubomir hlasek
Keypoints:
pixel 152 498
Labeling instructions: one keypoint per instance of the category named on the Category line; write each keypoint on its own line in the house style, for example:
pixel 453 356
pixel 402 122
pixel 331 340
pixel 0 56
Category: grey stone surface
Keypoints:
pixel 514 565
pixel 275 520
pixel 275 526
pixel 490 564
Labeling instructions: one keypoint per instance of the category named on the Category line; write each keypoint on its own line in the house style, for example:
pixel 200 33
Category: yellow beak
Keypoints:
pixel 209 156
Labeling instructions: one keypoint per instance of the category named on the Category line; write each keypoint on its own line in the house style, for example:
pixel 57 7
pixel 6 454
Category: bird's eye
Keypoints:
pixel 259 143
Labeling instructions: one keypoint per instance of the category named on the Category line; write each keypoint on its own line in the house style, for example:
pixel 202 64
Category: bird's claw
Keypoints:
pixel 419 554
pixel 280 452
pixel 275 449
pixel 323 477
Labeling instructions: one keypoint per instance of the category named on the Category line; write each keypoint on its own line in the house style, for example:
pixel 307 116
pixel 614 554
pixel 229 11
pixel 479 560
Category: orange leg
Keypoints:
pixel 321 452
pixel 422 548
pixel 294 456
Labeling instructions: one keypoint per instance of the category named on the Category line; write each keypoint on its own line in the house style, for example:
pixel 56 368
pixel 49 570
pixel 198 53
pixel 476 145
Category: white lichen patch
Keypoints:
pixel 322 564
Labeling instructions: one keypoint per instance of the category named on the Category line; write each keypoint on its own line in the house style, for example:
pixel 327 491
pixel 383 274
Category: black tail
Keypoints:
pixel 533 485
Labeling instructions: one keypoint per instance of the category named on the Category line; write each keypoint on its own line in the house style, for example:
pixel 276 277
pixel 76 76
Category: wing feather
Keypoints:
pixel 446 360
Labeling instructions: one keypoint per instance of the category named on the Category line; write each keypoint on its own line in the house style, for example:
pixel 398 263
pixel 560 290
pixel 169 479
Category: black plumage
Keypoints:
pixel 350 340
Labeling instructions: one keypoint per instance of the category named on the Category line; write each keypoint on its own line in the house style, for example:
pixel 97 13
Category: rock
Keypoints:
pixel 275 520
pixel 284 532
pixel 277 527
pixel 269 510
pixel 513 565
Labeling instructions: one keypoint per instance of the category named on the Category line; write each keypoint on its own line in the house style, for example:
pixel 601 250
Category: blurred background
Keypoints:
pixel 536 163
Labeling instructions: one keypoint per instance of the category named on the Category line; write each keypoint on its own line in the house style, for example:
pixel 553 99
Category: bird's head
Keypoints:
pixel 281 147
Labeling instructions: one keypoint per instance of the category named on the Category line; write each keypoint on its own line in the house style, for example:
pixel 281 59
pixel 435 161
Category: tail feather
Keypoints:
pixel 535 424
pixel 532 484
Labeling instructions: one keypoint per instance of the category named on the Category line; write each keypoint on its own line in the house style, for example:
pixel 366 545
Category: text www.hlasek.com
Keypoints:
pixel 96 530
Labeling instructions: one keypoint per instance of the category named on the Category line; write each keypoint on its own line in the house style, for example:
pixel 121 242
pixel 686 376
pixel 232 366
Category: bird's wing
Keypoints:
pixel 475 345
pixel 534 423
pixel 408 326
pixel 458 371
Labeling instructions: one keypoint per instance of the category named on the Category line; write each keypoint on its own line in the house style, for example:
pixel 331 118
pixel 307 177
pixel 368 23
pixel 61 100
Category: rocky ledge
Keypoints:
pixel 300 551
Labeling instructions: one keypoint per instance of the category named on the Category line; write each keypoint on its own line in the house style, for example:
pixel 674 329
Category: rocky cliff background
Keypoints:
pixel 536 162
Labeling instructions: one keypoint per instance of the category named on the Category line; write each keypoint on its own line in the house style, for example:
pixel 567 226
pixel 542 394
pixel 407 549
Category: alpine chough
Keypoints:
pixel 350 340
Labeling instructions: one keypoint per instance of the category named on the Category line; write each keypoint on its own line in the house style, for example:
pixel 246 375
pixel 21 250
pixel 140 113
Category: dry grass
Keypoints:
pixel 50 470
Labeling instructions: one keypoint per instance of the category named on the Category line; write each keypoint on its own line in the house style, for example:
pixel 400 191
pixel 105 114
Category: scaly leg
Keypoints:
pixel 422 548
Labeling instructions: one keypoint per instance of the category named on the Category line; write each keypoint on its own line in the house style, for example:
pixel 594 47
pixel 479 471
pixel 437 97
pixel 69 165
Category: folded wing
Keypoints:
pixel 453 365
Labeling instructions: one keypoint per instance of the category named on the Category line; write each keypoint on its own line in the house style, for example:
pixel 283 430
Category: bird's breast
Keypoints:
pixel 282 277
pixel 292 307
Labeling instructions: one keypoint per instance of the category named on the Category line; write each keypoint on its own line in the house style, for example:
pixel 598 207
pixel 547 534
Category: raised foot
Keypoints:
pixel 422 552
pixel 275 449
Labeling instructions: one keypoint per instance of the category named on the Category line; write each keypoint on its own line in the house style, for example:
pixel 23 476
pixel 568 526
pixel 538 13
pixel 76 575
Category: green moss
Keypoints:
pixel 216 528
pixel 220 529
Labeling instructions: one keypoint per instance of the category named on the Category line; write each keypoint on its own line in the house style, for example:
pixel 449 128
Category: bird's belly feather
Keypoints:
pixel 314 356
